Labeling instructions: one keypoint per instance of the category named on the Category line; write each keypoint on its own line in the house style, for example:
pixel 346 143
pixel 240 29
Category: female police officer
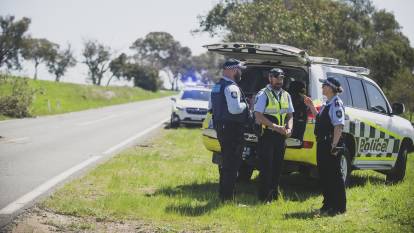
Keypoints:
pixel 328 130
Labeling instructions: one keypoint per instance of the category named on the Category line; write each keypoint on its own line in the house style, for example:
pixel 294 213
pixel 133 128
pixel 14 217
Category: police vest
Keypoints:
pixel 323 124
pixel 220 109
pixel 276 110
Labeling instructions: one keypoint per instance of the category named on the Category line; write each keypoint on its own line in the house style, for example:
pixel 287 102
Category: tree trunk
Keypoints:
pixel 35 74
pixel 57 79
pixel 107 84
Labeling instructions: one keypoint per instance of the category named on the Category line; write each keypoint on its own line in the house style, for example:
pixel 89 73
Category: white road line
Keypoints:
pixel 13 139
pixel 125 142
pixel 98 120
pixel 22 201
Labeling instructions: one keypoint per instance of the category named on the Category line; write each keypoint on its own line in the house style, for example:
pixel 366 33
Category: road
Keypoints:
pixel 39 153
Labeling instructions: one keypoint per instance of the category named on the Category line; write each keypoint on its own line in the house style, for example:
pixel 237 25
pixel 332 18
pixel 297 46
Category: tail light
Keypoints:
pixel 307 144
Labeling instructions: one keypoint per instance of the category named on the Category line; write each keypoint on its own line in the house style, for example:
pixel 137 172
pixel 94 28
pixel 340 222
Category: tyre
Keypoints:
pixel 345 165
pixel 397 173
pixel 174 121
pixel 245 172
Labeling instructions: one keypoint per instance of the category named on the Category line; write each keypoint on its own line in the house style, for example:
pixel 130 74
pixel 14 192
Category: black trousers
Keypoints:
pixel 271 152
pixel 230 136
pixel 332 183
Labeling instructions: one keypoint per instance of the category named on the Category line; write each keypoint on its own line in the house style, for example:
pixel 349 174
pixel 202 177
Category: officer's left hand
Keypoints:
pixel 335 151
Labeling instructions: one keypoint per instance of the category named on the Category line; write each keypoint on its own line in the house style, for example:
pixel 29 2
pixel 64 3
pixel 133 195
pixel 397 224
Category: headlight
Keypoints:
pixel 179 108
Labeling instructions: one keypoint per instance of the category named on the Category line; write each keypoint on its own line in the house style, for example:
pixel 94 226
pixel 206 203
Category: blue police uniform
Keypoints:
pixel 271 146
pixel 229 109
pixel 333 187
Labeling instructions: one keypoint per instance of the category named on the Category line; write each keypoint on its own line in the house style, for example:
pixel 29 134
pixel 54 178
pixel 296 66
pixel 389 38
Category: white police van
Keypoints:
pixel 376 138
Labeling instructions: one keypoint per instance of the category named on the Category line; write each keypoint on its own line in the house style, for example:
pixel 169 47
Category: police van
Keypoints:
pixel 375 137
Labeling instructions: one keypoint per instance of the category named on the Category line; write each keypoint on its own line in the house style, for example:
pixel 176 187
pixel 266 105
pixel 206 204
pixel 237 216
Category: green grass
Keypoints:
pixel 172 184
pixel 54 98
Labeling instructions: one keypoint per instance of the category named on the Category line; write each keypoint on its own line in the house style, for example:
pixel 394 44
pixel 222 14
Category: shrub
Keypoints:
pixel 18 99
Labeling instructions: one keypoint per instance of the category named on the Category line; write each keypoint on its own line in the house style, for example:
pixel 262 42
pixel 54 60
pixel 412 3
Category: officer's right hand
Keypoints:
pixel 279 129
pixel 307 100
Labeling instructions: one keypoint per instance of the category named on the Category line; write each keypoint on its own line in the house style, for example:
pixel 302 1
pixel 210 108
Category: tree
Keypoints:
pixel 351 30
pixel 145 77
pixel 38 51
pixel 208 66
pixel 60 61
pixel 117 67
pixel 160 51
pixel 11 39
pixel 402 90
pixel 96 57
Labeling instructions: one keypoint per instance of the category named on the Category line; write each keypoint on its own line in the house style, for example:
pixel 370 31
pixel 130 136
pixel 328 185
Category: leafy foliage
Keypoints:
pixel 161 51
pixel 17 103
pixel 38 51
pixel 60 61
pixel 96 57
pixel 11 39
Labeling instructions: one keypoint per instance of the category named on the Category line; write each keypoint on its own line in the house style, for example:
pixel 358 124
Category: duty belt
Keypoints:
pixel 324 138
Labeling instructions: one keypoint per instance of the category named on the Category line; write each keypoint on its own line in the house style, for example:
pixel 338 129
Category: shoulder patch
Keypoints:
pixel 234 94
pixel 339 113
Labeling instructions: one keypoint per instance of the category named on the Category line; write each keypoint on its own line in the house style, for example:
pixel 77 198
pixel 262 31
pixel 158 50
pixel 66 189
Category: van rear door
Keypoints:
pixel 261 53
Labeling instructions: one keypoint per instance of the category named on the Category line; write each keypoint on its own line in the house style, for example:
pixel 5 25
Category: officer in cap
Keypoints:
pixel 330 121
pixel 230 112
pixel 273 110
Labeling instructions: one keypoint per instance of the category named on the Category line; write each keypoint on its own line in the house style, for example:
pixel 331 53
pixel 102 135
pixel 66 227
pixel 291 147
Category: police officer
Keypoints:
pixel 230 112
pixel 273 111
pixel 330 121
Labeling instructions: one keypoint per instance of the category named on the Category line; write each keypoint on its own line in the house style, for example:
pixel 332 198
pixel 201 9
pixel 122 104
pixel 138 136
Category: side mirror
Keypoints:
pixel 398 108
pixel 173 99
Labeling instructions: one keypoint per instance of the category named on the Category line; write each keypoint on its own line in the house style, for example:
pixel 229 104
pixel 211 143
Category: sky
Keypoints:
pixel 118 23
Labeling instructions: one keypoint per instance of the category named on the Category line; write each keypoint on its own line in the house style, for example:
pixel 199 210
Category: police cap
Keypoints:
pixel 231 64
pixel 277 72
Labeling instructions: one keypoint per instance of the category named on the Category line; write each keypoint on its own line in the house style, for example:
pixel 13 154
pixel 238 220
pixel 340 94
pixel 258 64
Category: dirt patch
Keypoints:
pixel 38 220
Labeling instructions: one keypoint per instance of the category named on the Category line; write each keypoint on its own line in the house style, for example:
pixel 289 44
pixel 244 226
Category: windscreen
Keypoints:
pixel 195 95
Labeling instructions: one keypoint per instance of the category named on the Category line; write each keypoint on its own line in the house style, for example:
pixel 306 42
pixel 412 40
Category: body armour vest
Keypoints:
pixel 219 104
pixel 323 124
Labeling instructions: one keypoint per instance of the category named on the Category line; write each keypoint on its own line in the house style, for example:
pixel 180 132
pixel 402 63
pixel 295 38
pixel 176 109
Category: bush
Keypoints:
pixel 18 98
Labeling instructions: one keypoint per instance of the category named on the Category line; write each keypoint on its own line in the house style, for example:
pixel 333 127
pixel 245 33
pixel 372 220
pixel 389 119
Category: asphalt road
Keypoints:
pixel 39 153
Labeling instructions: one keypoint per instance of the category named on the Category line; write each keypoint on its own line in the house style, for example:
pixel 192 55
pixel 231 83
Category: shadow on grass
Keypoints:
pixel 204 196
pixel 186 126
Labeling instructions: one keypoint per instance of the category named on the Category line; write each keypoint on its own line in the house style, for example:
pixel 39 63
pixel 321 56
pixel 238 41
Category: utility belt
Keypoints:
pixel 324 138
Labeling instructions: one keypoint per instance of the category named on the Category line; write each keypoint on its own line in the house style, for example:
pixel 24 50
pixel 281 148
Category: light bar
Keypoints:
pixel 324 60
pixel 354 69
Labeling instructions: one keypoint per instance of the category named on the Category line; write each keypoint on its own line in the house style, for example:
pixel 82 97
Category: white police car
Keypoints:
pixel 190 106
pixel 376 138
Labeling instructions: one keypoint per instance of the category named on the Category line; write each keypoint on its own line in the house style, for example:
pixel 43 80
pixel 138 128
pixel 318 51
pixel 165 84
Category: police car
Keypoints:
pixel 190 107
pixel 375 137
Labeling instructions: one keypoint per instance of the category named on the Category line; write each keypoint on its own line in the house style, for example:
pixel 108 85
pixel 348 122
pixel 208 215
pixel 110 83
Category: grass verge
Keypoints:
pixel 172 184
pixel 55 98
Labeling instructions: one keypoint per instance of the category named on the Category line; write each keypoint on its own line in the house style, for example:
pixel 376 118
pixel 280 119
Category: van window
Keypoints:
pixel 357 92
pixel 377 101
pixel 345 95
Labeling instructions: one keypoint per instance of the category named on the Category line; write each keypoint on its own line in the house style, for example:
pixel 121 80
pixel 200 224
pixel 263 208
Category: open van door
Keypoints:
pixel 262 53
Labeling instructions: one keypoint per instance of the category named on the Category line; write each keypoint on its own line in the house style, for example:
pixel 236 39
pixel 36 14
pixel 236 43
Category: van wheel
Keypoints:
pixel 397 173
pixel 345 165
pixel 245 172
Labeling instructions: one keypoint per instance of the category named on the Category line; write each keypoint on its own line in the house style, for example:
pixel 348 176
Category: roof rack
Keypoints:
pixel 324 60
pixel 354 69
